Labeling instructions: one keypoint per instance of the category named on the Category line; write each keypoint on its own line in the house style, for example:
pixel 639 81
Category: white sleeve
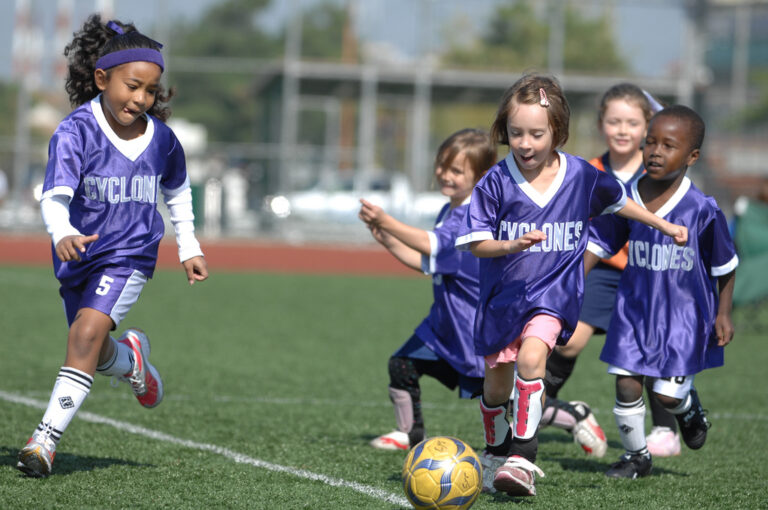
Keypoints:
pixel 179 204
pixel 55 212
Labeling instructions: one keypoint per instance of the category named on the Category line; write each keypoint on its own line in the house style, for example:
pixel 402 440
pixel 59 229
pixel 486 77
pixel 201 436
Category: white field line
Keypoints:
pixel 225 452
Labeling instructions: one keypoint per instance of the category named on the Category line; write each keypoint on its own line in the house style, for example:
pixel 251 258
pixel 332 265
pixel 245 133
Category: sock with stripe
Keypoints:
pixel 69 392
pixel 630 418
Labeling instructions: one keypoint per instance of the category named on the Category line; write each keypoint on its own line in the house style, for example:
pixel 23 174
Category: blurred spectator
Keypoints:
pixel 750 233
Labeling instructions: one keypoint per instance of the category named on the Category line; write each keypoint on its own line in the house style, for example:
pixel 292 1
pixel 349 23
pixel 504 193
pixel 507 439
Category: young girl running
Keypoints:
pixel 107 160
pixel 442 345
pixel 527 221
pixel 623 117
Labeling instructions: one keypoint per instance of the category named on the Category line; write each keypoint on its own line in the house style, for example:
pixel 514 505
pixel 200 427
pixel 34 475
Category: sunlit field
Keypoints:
pixel 275 384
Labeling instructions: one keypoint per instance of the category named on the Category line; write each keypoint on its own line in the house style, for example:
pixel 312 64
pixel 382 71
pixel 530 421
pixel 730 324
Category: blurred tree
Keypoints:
pixel 517 38
pixel 224 101
pixel 756 115
pixel 323 31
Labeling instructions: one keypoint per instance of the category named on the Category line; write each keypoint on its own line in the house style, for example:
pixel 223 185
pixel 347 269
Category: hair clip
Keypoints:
pixel 115 27
pixel 655 105
pixel 543 100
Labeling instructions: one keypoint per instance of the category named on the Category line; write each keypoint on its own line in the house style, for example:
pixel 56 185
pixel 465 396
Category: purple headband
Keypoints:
pixel 131 54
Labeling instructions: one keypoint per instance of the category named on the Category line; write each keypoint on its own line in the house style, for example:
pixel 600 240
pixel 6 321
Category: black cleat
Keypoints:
pixel 693 423
pixel 631 466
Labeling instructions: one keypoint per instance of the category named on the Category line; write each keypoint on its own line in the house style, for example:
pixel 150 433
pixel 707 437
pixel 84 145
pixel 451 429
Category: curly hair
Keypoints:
pixel 95 40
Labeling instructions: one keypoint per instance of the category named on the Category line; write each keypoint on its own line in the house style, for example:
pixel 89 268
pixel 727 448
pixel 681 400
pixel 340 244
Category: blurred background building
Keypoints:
pixel 290 110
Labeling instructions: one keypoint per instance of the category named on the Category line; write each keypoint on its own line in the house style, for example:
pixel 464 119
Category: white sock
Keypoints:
pixel 121 362
pixel 69 392
pixel 630 418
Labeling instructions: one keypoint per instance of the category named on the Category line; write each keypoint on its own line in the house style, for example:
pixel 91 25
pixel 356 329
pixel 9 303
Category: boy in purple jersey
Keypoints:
pixel 442 345
pixel 670 321
pixel 527 222
pixel 623 116
pixel 107 162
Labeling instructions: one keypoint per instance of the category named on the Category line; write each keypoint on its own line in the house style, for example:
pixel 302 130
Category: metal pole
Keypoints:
pixel 290 104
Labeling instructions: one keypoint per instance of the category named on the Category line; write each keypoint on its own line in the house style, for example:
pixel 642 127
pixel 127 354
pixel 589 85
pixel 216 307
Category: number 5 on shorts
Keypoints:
pixel 104 285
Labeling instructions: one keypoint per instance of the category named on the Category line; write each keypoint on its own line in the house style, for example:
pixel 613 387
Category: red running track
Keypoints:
pixel 232 255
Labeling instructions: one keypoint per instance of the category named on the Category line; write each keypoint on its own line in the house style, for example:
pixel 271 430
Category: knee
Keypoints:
pixel 530 365
pixel 402 373
pixel 86 334
pixel 628 389
pixel 667 401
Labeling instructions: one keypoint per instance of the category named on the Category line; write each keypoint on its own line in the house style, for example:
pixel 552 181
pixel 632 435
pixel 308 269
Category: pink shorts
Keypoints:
pixel 542 326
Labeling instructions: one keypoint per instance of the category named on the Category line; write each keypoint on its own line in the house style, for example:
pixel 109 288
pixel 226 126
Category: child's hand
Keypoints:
pixel 723 329
pixel 526 241
pixel 70 247
pixel 677 232
pixel 379 235
pixel 371 214
pixel 196 269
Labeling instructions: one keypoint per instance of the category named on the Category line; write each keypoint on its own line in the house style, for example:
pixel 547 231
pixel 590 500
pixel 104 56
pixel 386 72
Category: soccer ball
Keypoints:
pixel 442 473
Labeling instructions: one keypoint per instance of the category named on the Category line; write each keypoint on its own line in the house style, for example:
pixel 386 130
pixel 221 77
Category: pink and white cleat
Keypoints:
pixel 663 442
pixel 517 477
pixel 395 440
pixel 144 379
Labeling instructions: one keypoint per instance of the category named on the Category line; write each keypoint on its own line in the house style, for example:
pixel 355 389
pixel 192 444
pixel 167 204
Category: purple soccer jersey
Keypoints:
pixel 113 185
pixel 548 277
pixel 447 330
pixel 663 324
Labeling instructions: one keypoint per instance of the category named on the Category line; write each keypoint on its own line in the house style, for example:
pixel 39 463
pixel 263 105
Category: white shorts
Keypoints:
pixel 675 387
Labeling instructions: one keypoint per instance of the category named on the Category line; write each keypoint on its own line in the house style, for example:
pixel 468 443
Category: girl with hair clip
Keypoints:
pixel 107 160
pixel 441 346
pixel 527 222
pixel 623 115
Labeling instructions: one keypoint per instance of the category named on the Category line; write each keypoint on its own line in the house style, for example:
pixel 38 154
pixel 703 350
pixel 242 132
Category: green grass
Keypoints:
pixel 291 370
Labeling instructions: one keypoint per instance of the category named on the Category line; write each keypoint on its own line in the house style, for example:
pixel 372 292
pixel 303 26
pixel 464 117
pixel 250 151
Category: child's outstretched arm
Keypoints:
pixel 495 248
pixel 405 254
pixel 723 323
pixel 413 237
pixel 632 211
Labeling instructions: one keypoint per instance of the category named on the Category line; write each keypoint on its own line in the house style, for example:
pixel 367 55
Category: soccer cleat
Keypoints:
pixel 36 458
pixel 395 440
pixel 490 464
pixel 663 442
pixel 517 477
pixel 631 466
pixel 587 432
pixel 144 378
pixel 693 423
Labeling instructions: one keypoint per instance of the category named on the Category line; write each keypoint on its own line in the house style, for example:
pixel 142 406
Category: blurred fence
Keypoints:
pixel 336 130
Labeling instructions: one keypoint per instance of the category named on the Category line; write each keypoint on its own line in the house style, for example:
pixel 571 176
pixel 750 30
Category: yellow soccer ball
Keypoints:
pixel 442 473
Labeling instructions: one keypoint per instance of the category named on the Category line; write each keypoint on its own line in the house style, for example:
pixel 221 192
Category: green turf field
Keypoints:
pixel 276 383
